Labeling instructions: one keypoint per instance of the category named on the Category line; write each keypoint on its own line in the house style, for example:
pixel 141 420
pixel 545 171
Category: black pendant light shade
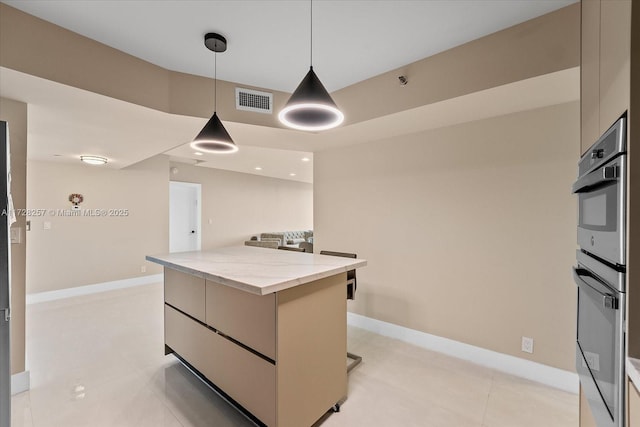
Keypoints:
pixel 311 107
pixel 214 138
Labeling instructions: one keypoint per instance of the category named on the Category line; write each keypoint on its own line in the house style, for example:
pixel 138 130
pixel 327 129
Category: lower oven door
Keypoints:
pixel 600 347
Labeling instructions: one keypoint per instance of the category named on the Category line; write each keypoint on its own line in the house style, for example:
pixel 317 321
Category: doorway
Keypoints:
pixel 184 216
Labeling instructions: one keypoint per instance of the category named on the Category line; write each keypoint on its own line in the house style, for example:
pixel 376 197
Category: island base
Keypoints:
pixel 289 378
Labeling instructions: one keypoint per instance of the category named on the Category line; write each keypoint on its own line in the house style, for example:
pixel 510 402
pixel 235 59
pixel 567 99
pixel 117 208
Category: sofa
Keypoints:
pixel 281 238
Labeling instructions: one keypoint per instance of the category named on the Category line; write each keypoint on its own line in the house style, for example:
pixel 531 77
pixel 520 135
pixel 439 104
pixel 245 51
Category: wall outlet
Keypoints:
pixel 143 269
pixel 527 344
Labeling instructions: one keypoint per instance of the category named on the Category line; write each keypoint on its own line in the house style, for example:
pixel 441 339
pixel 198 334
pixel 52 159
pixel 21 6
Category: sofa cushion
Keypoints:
pixel 272 235
pixel 263 244
pixel 271 239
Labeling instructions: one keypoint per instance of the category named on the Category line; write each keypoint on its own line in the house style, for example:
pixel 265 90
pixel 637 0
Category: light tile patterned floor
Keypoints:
pixel 98 361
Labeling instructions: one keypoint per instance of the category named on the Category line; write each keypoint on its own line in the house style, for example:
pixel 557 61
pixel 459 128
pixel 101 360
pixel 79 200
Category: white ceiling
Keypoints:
pixel 268 47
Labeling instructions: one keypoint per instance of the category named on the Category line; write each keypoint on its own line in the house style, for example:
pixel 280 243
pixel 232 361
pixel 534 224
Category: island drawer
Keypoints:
pixel 185 292
pixel 186 337
pixel 246 378
pixel 245 317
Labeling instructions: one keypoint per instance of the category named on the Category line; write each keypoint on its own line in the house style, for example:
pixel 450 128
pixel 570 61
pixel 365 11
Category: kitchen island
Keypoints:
pixel 266 328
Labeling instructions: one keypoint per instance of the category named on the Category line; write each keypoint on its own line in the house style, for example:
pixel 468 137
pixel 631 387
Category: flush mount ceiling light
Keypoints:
pixel 310 106
pixel 93 160
pixel 214 138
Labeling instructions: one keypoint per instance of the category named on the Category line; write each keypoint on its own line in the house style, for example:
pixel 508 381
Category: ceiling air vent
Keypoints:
pixel 253 100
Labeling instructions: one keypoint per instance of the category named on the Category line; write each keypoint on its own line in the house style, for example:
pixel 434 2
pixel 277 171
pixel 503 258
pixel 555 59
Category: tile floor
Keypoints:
pixel 98 361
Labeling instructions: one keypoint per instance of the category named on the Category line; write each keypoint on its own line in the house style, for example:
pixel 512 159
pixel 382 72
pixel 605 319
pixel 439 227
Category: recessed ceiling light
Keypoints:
pixel 306 159
pixel 292 174
pixel 94 160
pixel 197 153
pixel 258 168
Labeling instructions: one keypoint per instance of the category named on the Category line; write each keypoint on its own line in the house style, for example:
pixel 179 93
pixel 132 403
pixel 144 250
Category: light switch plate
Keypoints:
pixel 16 235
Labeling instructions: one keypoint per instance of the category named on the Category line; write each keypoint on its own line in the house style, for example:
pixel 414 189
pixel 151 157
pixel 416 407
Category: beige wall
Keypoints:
pixel 80 251
pixel 15 114
pixel 241 205
pixel 87 250
pixel 469 230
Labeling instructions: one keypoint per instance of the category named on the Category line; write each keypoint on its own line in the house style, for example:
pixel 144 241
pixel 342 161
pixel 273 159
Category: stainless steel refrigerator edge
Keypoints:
pixel 5 282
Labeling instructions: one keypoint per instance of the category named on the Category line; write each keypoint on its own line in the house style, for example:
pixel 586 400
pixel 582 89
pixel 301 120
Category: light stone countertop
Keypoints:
pixel 259 271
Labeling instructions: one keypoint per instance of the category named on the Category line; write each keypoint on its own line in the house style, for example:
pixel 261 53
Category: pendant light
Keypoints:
pixel 310 107
pixel 214 138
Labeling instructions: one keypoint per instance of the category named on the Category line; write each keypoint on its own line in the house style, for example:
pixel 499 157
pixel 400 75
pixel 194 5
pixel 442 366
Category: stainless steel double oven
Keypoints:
pixel 600 275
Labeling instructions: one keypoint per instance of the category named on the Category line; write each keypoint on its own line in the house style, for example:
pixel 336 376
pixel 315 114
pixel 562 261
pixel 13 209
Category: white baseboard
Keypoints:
pixel 554 377
pixel 20 382
pixel 92 289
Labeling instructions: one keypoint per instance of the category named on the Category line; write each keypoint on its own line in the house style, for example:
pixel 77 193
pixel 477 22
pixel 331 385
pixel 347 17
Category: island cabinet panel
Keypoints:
pixel 312 348
pixel 247 318
pixel 185 292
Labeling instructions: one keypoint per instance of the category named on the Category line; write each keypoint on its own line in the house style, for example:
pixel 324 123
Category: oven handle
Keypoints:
pixel 608 300
pixel 594 179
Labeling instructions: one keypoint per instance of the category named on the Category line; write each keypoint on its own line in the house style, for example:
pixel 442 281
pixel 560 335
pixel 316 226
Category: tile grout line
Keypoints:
pixel 30 411
pixel 486 403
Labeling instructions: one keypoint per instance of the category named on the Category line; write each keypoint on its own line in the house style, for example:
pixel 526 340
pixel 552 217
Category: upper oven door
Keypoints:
pixel 601 189
pixel 601 211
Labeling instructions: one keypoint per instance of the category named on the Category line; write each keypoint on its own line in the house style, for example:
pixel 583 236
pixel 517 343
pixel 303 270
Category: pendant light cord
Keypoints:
pixel 311 50
pixel 215 81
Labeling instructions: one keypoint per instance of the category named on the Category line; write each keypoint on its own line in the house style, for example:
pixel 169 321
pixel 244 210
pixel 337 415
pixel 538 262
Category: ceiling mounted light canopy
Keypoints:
pixel 94 160
pixel 214 138
pixel 310 107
